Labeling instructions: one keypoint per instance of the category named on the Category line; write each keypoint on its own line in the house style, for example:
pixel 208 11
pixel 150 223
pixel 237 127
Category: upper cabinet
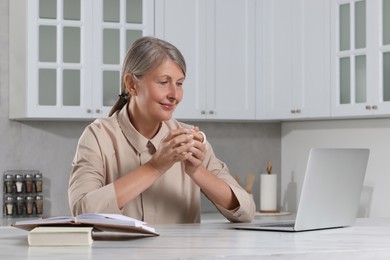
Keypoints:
pixel 293 65
pixel 246 59
pixel 217 39
pixel 66 55
pixel 361 57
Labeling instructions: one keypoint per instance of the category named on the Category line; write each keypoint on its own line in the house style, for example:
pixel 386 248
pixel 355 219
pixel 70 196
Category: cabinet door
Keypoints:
pixel 384 83
pixel 217 41
pixel 360 58
pixel 183 23
pixel 351 58
pixel 295 60
pixel 311 93
pixel 277 59
pixel 230 79
pixel 65 56
pixel 117 24
pixel 47 58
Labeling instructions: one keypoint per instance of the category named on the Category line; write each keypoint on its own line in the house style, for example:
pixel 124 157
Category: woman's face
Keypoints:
pixel 158 92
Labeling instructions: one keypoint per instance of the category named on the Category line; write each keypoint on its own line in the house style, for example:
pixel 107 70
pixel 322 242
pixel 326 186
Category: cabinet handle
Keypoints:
pixel 89 111
pixel 211 112
pixel 295 111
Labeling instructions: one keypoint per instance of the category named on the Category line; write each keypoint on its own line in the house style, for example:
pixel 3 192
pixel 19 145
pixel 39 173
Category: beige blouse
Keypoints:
pixel 110 148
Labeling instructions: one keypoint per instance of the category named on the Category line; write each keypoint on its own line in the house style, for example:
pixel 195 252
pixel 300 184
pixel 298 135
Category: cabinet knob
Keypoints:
pixel 368 107
pixel 211 112
pixel 89 111
pixel 292 111
pixel 98 111
pixel 203 112
pixel 374 107
pixel 298 111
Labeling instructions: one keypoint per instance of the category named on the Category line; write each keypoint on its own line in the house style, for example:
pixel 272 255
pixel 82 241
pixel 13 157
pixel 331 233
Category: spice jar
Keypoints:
pixel 9 205
pixel 39 205
pixel 29 205
pixel 19 183
pixel 20 206
pixel 8 183
pixel 38 182
pixel 28 180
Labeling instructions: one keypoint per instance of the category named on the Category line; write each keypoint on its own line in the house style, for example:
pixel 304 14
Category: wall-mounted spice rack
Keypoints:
pixel 22 193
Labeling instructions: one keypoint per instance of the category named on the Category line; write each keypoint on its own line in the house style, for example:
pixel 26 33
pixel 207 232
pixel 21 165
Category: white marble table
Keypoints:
pixel 215 239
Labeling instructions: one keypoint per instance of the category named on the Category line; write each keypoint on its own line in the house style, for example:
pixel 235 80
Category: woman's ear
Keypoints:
pixel 129 81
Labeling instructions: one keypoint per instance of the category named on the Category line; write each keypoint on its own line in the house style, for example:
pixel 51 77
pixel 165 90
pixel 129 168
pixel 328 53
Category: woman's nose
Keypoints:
pixel 172 93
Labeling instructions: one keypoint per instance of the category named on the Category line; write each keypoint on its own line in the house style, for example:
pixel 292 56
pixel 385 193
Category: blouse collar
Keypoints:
pixel 136 139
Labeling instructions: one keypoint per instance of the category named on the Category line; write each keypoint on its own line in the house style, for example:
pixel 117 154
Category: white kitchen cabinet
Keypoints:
pixel 360 58
pixel 66 55
pixel 217 39
pixel 294 64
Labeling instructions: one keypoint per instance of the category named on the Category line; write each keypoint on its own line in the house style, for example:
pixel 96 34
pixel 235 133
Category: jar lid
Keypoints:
pixel 28 176
pixel 29 198
pixel 19 198
pixel 38 175
pixel 8 177
pixel 19 176
pixel 9 198
pixel 38 197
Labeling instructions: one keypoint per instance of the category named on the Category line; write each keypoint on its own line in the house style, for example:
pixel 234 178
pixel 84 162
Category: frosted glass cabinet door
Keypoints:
pixel 352 53
pixel 120 24
pixel 66 55
pixel 386 50
pixel 60 55
pixel 350 94
pixel 360 54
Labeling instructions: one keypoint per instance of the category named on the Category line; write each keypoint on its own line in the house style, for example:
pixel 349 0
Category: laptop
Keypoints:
pixel 330 193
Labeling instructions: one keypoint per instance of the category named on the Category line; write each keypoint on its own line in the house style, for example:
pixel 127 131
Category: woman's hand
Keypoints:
pixel 177 146
pixel 197 152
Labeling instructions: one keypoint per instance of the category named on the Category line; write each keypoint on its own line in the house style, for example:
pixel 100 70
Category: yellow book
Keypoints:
pixel 60 236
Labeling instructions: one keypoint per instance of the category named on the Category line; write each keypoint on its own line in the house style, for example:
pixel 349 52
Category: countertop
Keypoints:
pixel 215 238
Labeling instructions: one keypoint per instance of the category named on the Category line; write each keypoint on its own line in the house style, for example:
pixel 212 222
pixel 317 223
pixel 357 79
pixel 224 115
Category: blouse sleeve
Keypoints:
pixel 88 191
pixel 246 210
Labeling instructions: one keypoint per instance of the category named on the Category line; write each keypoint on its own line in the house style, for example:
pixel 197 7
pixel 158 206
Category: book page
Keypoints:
pixel 111 217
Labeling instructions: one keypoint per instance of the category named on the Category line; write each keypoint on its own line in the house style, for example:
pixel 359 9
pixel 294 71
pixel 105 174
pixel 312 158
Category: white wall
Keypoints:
pixel 299 137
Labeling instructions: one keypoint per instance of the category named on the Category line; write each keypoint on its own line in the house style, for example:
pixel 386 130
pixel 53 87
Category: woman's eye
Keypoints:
pixel 163 83
pixel 179 84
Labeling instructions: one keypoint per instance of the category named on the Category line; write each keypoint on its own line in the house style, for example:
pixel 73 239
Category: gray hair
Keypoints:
pixel 146 54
